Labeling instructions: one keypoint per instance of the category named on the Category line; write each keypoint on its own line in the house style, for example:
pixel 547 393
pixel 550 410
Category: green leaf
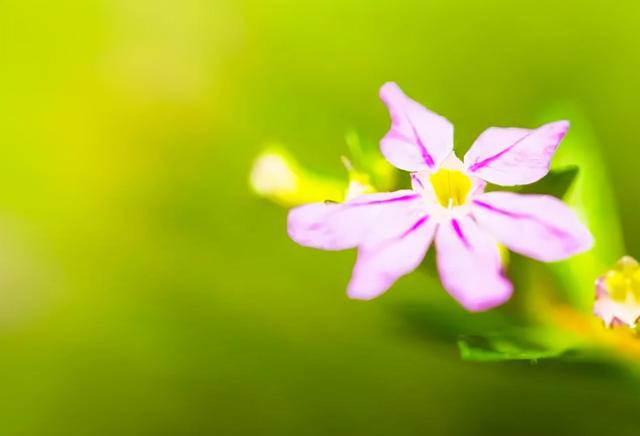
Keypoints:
pixel 557 183
pixel 497 348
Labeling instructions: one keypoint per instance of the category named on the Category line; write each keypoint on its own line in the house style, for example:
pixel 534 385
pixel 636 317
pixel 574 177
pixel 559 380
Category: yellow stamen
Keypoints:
pixel 451 187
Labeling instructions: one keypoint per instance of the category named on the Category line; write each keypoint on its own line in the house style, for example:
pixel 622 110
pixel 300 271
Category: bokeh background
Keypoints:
pixel 144 290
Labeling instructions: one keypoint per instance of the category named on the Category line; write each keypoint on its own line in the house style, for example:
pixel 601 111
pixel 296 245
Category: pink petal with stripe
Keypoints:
pixel 380 264
pixel 419 139
pixel 538 226
pixel 338 226
pixel 511 156
pixel 470 266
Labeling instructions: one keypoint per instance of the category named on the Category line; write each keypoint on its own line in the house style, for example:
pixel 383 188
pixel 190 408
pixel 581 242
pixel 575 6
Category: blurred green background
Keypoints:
pixel 145 291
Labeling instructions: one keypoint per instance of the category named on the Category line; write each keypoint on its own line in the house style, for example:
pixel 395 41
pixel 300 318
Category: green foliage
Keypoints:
pixel 557 183
pixel 499 348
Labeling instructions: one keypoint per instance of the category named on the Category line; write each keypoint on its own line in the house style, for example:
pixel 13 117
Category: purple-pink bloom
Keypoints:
pixel 447 203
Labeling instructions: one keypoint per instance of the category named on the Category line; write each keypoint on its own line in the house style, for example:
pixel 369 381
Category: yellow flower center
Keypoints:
pixel 623 281
pixel 451 187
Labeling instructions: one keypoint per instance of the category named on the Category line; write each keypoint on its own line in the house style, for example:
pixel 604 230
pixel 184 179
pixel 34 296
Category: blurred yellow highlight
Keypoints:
pixel 277 176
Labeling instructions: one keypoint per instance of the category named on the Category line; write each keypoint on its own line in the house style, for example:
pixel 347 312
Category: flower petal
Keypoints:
pixel 380 264
pixel 418 139
pixel 537 226
pixel 470 266
pixel 338 226
pixel 510 156
pixel 614 313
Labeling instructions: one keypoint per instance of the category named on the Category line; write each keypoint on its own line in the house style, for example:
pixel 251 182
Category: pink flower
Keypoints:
pixel 447 203
pixel 618 294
